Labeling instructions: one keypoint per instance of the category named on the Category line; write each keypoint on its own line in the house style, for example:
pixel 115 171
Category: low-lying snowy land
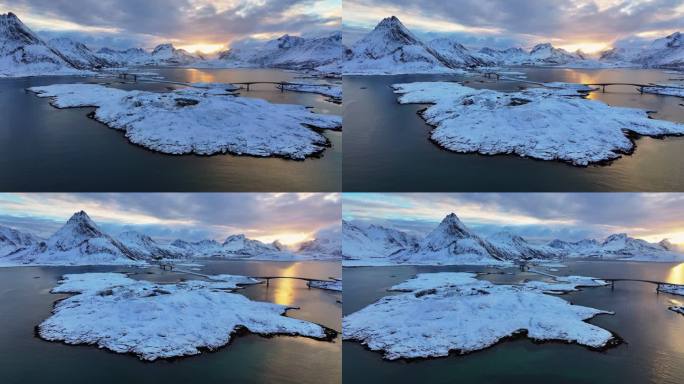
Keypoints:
pixel 440 313
pixel 156 321
pixel 547 123
pixel 199 121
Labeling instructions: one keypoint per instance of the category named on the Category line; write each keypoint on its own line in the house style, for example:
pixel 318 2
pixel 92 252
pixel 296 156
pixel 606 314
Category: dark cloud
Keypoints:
pixel 214 215
pixel 570 216
pixel 144 22
pixel 533 19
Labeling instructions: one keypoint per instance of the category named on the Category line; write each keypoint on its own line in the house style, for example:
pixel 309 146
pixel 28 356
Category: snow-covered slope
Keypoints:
pixel 547 54
pixel 241 246
pixel 664 52
pixel 369 242
pixel 619 246
pixel 147 248
pixel 78 54
pixel 291 52
pixel 12 240
pixel 514 247
pixel 78 242
pixel 23 53
pixel 391 48
pixel 453 243
pixel 131 56
pixel 455 54
pixel 509 56
pixel 167 54
pixel 326 245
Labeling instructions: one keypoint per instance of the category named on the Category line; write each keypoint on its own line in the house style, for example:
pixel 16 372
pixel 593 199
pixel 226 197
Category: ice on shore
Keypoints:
pixel 333 92
pixel 198 121
pixel 562 284
pixel 677 308
pixel 156 321
pixel 439 313
pixel 335 285
pixel 546 123
pixel 673 289
pixel 671 90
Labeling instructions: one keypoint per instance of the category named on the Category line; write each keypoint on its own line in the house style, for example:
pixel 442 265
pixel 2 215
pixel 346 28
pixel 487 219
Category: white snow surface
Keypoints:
pixel 156 321
pixel 458 313
pixel 543 123
pixel 671 90
pixel 673 289
pixel 562 284
pixel 335 285
pixel 195 121
pixel 677 308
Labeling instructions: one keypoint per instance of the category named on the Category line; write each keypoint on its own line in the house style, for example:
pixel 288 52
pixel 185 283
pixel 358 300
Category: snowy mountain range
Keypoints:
pixel 23 53
pixel 391 48
pixel 81 242
pixel 453 243
pixel 290 52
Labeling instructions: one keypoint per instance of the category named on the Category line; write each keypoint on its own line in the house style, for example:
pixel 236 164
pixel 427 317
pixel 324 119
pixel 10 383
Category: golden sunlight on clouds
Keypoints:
pixel 586 47
pixel 287 238
pixel 675 237
pixel 202 47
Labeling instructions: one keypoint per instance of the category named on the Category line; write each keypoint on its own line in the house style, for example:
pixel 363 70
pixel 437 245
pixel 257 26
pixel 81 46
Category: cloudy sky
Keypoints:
pixel 206 25
pixel 590 25
pixel 537 216
pixel 288 217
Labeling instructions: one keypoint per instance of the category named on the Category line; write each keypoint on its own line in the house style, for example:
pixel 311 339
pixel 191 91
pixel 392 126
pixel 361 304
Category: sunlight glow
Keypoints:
pixel 286 238
pixel 202 47
pixel 586 47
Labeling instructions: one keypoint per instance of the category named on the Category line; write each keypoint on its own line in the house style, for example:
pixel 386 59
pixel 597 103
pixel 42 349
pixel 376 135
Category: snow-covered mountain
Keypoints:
pixel 78 242
pixel 509 56
pixel 131 56
pixel 619 246
pixel 145 247
pixel 452 242
pixel 390 48
pixel 664 52
pixel 242 246
pixel 455 54
pixel 78 54
pixel 547 54
pixel 23 53
pixel 366 242
pixel 514 247
pixel 291 52
pixel 326 245
pixel 167 54
pixel 12 240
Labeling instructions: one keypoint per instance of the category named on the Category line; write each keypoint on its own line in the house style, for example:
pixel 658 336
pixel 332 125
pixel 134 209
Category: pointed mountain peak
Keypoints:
pixel 390 22
pixel 81 217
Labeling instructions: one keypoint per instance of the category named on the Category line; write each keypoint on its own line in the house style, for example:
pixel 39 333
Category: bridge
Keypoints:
pixel 639 86
pixel 282 85
pixel 658 284
pixel 308 280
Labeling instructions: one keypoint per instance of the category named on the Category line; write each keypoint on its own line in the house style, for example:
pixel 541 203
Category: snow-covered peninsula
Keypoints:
pixel 157 321
pixel 453 312
pixel 196 120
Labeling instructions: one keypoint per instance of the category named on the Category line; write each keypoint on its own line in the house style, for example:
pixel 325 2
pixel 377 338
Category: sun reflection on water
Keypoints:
pixel 284 289
pixel 676 274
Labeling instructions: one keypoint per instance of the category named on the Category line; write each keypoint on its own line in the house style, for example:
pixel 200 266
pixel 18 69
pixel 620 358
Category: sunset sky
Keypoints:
pixel 205 25
pixel 288 217
pixel 590 25
pixel 536 216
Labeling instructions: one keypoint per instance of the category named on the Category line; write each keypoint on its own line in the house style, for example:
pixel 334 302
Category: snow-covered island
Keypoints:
pixel 391 49
pixel 157 321
pixel 454 312
pixel 554 122
pixel 81 242
pixel 200 121
pixel 453 243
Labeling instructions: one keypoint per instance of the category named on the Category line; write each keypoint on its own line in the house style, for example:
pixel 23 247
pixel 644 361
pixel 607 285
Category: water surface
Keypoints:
pixel 25 301
pixel 47 149
pixel 652 352
pixel 387 146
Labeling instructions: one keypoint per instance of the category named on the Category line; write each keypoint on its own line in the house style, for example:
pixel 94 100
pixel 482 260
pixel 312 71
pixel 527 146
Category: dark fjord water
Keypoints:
pixel 48 149
pixel 652 352
pixel 26 301
pixel 387 146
